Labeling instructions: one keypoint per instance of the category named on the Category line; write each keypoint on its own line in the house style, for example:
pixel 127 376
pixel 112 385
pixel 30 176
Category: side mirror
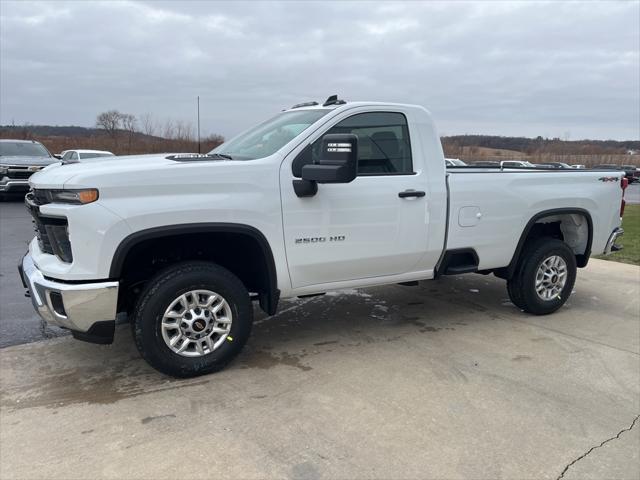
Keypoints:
pixel 338 164
pixel 58 156
pixel 338 160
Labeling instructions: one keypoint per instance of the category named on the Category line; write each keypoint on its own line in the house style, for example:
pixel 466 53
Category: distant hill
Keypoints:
pixel 59 131
pixel 540 145
pixel 59 138
pixel 51 131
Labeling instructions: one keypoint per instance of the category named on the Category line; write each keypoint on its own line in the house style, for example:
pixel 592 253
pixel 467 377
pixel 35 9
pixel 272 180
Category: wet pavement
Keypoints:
pixel 18 321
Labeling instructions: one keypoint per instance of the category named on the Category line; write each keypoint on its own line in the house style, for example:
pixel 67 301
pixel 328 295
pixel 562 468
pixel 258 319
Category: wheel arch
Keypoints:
pixel 581 258
pixel 268 297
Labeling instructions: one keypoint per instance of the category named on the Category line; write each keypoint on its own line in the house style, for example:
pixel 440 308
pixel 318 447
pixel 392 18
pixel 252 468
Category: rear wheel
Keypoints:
pixel 192 319
pixel 544 277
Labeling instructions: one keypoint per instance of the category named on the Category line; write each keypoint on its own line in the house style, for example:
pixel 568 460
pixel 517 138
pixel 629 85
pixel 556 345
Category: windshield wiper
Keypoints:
pixel 221 155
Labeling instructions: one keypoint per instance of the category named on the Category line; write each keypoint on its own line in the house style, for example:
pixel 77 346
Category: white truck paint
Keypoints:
pixel 346 235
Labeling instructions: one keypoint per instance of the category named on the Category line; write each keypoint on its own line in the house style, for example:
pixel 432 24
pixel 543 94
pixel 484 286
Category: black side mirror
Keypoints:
pixel 58 156
pixel 338 164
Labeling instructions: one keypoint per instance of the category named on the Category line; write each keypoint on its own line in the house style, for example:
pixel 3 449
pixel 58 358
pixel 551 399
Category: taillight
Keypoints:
pixel 624 183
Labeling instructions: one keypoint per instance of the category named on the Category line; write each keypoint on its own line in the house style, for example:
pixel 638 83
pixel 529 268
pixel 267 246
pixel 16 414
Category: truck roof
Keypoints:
pixel 345 105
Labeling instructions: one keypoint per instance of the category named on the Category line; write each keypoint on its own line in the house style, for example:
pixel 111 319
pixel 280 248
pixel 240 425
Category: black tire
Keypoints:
pixel 521 287
pixel 169 285
pixel 514 295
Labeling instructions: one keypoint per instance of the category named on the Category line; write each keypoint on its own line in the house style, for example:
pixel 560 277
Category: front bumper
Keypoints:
pixel 12 185
pixel 611 243
pixel 87 309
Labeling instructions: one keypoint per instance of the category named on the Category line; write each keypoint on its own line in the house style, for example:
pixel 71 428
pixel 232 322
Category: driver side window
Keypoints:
pixel 384 147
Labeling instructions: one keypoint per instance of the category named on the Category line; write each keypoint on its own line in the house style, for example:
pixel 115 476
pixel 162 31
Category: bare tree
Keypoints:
pixel 129 124
pixel 148 124
pixel 111 122
pixel 169 130
pixel 25 132
pixel 184 131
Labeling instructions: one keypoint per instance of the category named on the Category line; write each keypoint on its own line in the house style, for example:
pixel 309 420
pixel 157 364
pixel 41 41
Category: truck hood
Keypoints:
pixel 125 170
pixel 27 160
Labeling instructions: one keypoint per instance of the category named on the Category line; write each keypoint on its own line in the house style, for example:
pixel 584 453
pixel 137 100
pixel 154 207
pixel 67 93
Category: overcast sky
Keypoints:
pixel 559 69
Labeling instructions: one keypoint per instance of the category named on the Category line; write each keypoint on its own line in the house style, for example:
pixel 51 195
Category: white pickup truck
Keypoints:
pixel 317 198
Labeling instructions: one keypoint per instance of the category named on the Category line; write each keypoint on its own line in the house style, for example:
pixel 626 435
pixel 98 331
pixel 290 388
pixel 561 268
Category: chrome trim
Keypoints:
pixel 617 232
pixel 14 183
pixel 84 303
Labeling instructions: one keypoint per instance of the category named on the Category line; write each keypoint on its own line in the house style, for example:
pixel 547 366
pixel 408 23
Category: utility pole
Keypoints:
pixel 199 124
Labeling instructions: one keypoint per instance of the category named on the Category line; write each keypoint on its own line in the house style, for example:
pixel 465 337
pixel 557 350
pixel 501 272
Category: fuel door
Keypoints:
pixel 469 216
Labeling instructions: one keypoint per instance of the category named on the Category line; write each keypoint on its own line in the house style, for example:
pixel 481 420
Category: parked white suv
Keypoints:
pixel 83 154
pixel 317 198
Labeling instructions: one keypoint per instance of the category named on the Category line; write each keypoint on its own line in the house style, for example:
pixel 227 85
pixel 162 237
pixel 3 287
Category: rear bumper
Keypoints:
pixel 611 243
pixel 87 309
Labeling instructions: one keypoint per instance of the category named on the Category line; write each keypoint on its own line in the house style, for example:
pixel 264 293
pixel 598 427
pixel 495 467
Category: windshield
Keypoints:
pixel 22 149
pixel 270 136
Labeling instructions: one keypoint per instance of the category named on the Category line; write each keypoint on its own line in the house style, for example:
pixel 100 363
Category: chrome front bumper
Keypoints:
pixel 76 306
pixel 14 186
pixel 611 243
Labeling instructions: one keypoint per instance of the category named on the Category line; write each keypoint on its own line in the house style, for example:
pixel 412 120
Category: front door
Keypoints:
pixel 364 228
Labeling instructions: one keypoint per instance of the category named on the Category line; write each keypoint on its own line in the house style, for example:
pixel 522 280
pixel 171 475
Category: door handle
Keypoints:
pixel 411 193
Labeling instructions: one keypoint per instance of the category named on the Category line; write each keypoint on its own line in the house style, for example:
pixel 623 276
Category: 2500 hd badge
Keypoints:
pixel 335 238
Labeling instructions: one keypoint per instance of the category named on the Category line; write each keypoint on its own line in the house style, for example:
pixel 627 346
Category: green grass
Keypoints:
pixel 631 238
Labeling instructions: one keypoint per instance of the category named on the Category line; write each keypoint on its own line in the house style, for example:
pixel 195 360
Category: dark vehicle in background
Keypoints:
pixel 631 172
pixel 19 159
pixel 484 163
pixel 516 164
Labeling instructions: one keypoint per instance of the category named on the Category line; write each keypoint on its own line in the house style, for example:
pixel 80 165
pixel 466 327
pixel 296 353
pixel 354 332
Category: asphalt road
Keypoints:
pixel 18 321
pixel 443 380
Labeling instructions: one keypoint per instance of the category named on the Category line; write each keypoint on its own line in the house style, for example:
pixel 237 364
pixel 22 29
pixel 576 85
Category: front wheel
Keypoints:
pixel 192 319
pixel 544 277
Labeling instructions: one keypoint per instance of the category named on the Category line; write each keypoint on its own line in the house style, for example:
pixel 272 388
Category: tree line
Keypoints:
pixel 118 132
pixel 128 129
pixel 539 145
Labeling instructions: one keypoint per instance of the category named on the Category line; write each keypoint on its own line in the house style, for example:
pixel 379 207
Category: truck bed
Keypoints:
pixel 490 207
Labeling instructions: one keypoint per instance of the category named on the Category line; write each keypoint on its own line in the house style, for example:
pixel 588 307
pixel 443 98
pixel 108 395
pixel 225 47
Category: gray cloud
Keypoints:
pixel 519 68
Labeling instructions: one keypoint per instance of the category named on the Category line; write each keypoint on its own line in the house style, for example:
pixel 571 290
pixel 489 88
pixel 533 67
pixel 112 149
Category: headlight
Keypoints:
pixel 4 170
pixel 76 197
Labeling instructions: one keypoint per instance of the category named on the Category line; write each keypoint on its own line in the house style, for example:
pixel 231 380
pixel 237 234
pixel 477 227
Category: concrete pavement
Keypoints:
pixel 444 380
